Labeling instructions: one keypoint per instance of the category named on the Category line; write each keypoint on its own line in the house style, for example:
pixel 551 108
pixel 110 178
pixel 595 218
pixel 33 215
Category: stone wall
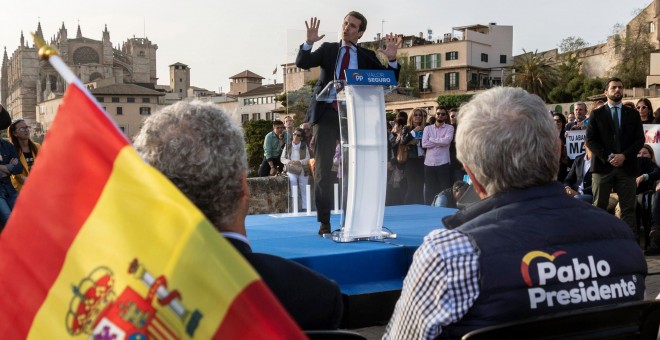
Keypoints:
pixel 268 194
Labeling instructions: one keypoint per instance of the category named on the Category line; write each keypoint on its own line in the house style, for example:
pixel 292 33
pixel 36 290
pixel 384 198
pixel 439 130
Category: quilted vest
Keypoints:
pixel 542 252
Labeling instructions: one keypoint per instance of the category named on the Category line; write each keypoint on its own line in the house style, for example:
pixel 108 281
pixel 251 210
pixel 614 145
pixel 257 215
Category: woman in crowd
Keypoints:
pixel 645 110
pixel 560 122
pixel 649 171
pixel 295 158
pixel 19 135
pixel 396 165
pixel 414 168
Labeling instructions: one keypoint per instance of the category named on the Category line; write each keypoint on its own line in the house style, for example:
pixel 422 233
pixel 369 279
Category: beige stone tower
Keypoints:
pixel 180 79
pixel 244 82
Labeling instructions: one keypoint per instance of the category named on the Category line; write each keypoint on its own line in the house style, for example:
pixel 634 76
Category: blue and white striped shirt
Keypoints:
pixel 441 286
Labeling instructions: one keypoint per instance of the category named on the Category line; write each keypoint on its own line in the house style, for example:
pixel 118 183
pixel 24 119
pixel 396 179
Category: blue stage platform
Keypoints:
pixel 369 273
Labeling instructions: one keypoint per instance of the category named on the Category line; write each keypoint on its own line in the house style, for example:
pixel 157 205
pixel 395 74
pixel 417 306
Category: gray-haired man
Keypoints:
pixel 526 248
pixel 201 150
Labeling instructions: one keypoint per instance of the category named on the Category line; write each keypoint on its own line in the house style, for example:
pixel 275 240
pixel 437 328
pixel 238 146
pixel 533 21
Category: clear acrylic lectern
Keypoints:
pixel 364 158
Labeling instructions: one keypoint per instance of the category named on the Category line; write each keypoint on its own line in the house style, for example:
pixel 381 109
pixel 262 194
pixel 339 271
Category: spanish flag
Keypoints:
pixel 102 245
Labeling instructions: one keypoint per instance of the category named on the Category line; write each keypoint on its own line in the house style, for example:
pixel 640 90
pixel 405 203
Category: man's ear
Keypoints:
pixel 361 33
pixel 478 187
pixel 246 188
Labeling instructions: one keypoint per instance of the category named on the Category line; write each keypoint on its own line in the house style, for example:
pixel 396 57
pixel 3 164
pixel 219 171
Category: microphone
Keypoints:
pixel 375 60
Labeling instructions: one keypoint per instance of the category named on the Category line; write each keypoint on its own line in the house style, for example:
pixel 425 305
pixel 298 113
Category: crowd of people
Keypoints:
pixel 421 160
pixel 467 275
pixel 624 184
pixel 422 156
pixel 481 268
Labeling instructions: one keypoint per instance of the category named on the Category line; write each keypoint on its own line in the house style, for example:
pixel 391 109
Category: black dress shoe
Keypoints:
pixel 324 229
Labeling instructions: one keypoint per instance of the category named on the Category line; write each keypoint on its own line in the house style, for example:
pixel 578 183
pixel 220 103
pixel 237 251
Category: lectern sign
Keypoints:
pixel 370 77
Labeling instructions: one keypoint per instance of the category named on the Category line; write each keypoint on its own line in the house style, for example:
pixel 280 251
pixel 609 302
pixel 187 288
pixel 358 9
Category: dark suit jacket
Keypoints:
pixel 600 138
pixel 570 125
pixel 313 301
pixel 326 57
pixel 575 177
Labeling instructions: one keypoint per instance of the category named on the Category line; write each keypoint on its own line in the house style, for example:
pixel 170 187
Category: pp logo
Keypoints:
pixel 358 76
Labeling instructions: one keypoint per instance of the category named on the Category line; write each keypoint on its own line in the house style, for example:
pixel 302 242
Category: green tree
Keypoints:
pixel 568 70
pixel 633 49
pixel 559 95
pixel 297 102
pixel 571 43
pixel 408 76
pixel 592 87
pixel 453 100
pixel 533 73
pixel 254 133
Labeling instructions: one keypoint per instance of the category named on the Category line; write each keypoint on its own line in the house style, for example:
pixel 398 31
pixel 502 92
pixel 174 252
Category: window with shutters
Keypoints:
pixel 453 55
pixel 451 81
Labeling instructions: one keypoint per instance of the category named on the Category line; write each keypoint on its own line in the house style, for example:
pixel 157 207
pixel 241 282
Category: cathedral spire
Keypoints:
pixel 22 39
pixel 79 33
pixel 39 33
pixel 106 34
pixel 5 58
pixel 62 28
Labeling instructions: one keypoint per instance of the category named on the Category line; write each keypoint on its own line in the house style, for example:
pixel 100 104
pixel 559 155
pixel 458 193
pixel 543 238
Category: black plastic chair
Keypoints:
pixel 631 320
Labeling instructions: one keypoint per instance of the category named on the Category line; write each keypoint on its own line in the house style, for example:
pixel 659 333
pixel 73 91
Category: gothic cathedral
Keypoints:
pixel 26 80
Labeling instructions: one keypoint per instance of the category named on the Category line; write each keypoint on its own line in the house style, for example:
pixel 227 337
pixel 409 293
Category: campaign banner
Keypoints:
pixel 652 138
pixel 370 77
pixel 574 142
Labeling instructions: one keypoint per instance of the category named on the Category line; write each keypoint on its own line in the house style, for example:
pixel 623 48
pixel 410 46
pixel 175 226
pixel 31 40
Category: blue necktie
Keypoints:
pixel 617 139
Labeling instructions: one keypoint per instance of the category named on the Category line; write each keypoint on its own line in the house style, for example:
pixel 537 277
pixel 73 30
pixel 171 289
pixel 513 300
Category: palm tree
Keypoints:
pixel 534 74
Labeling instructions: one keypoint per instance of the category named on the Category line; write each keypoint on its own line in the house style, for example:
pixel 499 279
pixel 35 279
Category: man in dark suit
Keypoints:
pixel 212 174
pixel 615 135
pixel 323 114
pixel 578 181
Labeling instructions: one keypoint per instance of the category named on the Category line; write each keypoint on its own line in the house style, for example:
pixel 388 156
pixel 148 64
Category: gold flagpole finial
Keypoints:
pixel 45 51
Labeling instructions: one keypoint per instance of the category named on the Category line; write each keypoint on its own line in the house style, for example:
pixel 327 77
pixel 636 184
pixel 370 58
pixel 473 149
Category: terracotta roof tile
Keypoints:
pixel 266 89
pixel 247 74
pixel 125 89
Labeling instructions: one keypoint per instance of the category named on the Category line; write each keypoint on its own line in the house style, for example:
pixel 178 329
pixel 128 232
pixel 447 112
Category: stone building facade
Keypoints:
pixel 598 61
pixel 470 58
pixel 27 81
pixel 295 78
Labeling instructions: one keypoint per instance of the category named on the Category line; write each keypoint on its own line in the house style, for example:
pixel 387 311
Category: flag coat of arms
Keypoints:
pixel 102 245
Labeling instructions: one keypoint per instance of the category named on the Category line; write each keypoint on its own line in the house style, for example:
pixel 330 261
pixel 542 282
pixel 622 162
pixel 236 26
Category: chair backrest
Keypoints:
pixel 335 334
pixel 630 320
pixel 469 196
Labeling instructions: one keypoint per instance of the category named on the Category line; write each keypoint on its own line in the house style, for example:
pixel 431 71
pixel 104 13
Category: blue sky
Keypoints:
pixel 218 39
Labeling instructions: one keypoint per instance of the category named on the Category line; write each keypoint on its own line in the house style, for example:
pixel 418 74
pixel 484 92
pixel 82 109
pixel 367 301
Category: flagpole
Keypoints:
pixel 52 55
